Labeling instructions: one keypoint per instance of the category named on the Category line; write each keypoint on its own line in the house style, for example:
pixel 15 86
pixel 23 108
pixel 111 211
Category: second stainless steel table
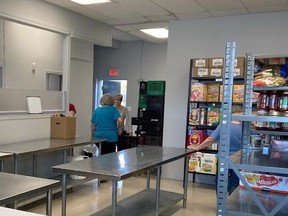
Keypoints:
pixel 15 187
pixel 44 145
pixel 124 164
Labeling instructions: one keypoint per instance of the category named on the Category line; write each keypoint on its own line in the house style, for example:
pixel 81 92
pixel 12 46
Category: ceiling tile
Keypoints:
pixel 268 9
pixel 147 37
pixel 113 10
pixel 193 15
pixel 180 6
pixel 162 18
pixel 143 7
pixel 151 25
pixel 221 4
pixel 229 12
pixel 130 20
pixel 263 3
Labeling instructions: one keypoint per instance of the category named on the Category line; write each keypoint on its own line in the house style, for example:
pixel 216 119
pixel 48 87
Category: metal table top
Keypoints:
pixel 4 155
pixel 14 187
pixel 46 145
pixel 14 212
pixel 123 164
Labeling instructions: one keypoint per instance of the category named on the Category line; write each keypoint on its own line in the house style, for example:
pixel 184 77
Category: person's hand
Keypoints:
pixel 193 147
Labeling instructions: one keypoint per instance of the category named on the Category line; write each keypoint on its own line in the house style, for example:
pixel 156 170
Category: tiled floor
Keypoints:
pixel 88 198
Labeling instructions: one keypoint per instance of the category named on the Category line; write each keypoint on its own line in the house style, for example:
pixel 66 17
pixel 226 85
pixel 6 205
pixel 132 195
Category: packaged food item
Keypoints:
pixel 203 163
pixel 283 102
pixel 267 182
pixel 213 116
pixel 238 93
pixel 213 91
pixel 198 92
pixel 194 116
pixel 196 137
pixel 263 102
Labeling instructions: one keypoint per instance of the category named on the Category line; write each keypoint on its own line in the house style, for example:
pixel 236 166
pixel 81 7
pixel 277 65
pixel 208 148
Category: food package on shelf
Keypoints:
pixel 203 163
pixel 213 116
pixel 194 116
pixel 269 77
pixel 213 91
pixel 198 92
pixel 238 93
pixel 267 182
pixel 279 145
pixel 196 137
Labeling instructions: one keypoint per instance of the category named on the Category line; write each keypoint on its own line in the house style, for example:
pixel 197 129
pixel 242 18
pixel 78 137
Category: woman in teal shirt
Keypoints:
pixel 106 122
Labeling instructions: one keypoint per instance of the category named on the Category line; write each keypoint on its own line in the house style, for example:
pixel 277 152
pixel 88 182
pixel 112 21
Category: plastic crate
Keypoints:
pixel 142 101
pixel 156 88
pixel 155 102
pixel 153 140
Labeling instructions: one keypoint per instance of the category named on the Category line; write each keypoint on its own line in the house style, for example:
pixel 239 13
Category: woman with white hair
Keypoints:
pixel 105 123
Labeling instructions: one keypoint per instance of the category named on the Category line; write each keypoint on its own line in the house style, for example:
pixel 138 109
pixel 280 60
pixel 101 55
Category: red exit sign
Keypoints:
pixel 112 72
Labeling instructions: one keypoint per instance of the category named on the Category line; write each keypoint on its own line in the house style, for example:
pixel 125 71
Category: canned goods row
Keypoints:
pixel 272 102
pixel 273 126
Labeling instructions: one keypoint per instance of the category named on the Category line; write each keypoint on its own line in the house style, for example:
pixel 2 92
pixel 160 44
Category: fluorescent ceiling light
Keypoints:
pixel 87 2
pixel 156 32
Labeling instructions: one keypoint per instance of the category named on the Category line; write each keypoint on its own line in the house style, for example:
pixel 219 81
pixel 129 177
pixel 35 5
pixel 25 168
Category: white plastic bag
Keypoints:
pixel 92 150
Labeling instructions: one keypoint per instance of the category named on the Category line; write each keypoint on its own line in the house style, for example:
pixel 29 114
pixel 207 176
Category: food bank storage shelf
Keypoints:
pixel 269 132
pixel 241 203
pixel 261 118
pixel 143 203
pixel 275 162
pixel 280 88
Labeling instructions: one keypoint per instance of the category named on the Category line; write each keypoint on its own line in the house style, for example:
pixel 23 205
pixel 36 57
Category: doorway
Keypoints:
pixel 110 86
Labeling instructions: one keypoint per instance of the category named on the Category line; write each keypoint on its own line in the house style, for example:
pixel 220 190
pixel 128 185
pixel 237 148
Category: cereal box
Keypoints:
pixel 213 116
pixel 213 91
pixel 194 116
pixel 238 93
pixel 196 137
pixel 198 92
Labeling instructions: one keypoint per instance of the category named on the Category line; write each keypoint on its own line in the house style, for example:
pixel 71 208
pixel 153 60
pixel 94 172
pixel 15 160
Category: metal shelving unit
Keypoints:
pixel 248 202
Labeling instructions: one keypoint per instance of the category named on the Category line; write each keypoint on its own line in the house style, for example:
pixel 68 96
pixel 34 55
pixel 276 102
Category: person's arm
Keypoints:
pixel 92 130
pixel 128 122
pixel 120 125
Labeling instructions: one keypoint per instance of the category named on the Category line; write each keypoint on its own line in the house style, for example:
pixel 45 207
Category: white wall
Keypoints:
pixel 264 34
pixel 136 61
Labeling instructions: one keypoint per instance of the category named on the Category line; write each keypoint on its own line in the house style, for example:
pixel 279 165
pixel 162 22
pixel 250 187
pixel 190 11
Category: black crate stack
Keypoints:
pixel 151 111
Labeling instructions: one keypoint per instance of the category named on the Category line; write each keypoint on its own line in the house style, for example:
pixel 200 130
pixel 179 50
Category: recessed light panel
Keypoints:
pixel 156 32
pixel 87 2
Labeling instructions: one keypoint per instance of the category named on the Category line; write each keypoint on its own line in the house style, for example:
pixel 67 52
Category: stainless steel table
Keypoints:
pixel 15 187
pixel 124 164
pixel 13 212
pixel 44 145
pixel 2 157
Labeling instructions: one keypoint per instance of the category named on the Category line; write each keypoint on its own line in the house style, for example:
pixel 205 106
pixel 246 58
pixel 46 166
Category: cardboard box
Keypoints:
pixel 217 62
pixel 200 62
pixel 200 72
pixel 196 137
pixel 63 127
pixel 239 62
pixel 213 116
pixel 259 181
pixel 239 72
pixel 215 72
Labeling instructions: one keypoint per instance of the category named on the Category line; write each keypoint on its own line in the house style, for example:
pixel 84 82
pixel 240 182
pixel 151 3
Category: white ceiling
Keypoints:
pixel 128 16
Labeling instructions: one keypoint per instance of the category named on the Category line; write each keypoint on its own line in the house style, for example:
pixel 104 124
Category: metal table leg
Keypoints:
pixel 15 163
pixel 186 165
pixel 34 165
pixel 148 180
pixel 158 190
pixel 64 176
pixel 114 197
pixel 1 165
pixel 49 203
